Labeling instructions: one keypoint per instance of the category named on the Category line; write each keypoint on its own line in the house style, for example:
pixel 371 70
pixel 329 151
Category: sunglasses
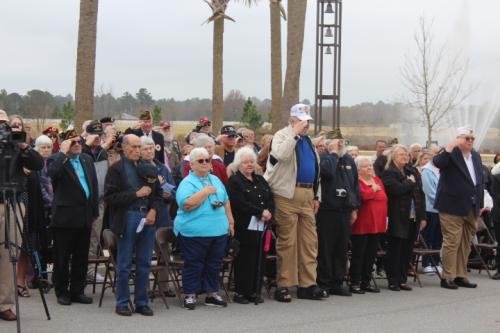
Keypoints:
pixel 469 138
pixel 204 160
pixel 77 142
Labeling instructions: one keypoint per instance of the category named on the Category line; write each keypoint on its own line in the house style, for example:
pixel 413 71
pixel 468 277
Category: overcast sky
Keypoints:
pixel 164 46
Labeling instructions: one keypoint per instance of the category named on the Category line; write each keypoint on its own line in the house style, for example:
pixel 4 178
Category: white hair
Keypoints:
pixel 353 148
pixel 42 140
pixel 197 153
pixel 361 159
pixel 147 141
pixel 414 145
pixel 242 152
pixel 201 140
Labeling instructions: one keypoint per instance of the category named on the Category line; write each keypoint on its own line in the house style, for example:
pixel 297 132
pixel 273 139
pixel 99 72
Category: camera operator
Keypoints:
pixel 338 209
pixel 22 157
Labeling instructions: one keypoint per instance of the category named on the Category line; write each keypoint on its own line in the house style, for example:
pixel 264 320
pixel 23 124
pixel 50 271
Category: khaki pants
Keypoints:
pixel 297 244
pixel 7 290
pixel 458 232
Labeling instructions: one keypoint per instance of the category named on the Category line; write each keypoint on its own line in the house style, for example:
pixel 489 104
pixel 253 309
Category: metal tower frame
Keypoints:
pixel 328 49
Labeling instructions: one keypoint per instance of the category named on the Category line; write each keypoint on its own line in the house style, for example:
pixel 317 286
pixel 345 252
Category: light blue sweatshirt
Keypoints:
pixel 430 180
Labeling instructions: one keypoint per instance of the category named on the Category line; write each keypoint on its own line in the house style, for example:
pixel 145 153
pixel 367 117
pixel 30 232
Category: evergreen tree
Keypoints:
pixel 156 114
pixel 251 118
pixel 66 113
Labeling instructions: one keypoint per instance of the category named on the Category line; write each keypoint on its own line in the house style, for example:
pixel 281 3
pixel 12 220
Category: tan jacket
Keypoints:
pixel 281 167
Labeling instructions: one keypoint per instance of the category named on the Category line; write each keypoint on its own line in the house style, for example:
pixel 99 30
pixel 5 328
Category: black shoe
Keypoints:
pixel 190 302
pixel 312 293
pixel 464 282
pixel 448 284
pixel 253 298
pixel 81 299
pixel 340 291
pixel 369 288
pixel 144 310
pixel 356 289
pixel 404 286
pixel 394 287
pixel 64 300
pixel 123 311
pixel 215 301
pixel 240 299
pixel 497 275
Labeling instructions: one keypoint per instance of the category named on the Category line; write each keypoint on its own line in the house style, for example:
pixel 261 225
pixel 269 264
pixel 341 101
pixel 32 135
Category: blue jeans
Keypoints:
pixel 433 237
pixel 142 243
pixel 202 263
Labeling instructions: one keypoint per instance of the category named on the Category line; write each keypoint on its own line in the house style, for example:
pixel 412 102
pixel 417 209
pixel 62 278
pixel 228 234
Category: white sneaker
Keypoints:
pixel 440 270
pixel 98 278
pixel 429 270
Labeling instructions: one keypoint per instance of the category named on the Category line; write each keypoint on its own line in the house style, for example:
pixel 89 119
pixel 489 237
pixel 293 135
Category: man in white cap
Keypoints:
pixel 293 174
pixel 459 198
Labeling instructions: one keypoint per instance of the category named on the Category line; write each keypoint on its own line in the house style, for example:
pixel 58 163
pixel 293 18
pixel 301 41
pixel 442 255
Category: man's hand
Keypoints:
pixel 423 224
pixel 266 215
pixel 354 216
pixel 150 217
pixel 299 126
pixel 108 141
pixel 454 143
pixel 26 171
pixel 411 178
pixel 333 146
pixel 315 206
pixel 90 139
pixel 64 147
pixel 143 192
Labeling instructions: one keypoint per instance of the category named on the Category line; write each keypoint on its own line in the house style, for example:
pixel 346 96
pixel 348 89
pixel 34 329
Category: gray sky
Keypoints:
pixel 162 45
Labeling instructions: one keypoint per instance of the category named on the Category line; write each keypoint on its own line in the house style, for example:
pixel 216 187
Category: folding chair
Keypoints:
pixel 110 241
pixel 164 239
pixel 422 249
pixel 482 247
pixel 97 260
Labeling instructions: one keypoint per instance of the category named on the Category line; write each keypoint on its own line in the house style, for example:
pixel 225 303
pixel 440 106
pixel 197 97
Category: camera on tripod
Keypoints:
pixel 8 137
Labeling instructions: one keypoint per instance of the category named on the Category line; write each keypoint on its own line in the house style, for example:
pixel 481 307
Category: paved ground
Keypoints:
pixel 428 309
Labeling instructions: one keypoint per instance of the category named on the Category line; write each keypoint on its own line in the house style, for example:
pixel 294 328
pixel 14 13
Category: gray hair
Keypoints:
pixel 353 148
pixel 202 139
pixel 196 153
pixel 110 129
pixel 361 159
pixel 42 140
pixel 394 151
pixel 242 152
pixel 147 141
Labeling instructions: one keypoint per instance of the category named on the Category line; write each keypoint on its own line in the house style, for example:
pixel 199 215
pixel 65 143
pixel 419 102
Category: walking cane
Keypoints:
pixel 259 273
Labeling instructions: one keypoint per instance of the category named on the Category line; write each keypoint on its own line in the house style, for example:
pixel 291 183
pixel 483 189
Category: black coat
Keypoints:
pixel 71 208
pixel 159 143
pixel 495 194
pixel 248 198
pixel 336 174
pixel 400 194
pixel 119 197
pixel 456 193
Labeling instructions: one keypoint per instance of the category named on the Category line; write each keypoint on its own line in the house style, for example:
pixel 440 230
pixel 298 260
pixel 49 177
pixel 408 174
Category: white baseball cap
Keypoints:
pixel 3 115
pixel 464 130
pixel 301 111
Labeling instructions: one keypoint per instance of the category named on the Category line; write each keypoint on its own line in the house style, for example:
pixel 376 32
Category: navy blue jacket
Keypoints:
pixel 456 193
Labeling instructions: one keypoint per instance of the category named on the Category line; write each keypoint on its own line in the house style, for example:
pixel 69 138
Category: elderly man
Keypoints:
pixel 415 150
pixel 292 172
pixel 227 149
pixel 249 137
pixel 338 209
pixel 459 198
pixel 172 148
pixel 23 157
pixel 74 209
pixel 146 129
pixel 106 122
pixel 133 206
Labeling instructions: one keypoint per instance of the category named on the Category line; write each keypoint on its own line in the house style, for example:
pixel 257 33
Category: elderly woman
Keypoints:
pixel 203 222
pixel 406 208
pixel 40 196
pixel 164 177
pixel 218 168
pixel 251 198
pixel 353 151
pixel 370 223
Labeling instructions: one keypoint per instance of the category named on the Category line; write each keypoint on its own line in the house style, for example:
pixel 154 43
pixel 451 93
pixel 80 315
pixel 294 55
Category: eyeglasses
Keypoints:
pixel 204 160
pixel 77 142
pixel 469 138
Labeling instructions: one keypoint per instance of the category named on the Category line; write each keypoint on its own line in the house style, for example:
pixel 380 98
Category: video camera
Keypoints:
pixel 9 138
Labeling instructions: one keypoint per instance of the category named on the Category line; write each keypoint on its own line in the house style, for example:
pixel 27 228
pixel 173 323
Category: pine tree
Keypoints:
pixel 251 118
pixel 156 115
pixel 67 113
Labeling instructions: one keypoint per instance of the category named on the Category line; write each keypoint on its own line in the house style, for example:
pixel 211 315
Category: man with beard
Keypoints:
pixel 172 150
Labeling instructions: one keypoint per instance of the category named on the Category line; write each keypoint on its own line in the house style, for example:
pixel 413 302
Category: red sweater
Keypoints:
pixel 372 214
pixel 218 169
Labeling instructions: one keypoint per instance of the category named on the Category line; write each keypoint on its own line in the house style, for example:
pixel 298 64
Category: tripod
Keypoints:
pixel 12 209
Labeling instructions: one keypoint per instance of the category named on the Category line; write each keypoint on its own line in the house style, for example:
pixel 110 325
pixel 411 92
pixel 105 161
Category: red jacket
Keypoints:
pixel 372 214
pixel 218 169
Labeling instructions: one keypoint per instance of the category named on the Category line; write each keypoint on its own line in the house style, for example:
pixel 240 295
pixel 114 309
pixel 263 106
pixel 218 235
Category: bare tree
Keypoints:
pixel 434 79
pixel 294 46
pixel 85 62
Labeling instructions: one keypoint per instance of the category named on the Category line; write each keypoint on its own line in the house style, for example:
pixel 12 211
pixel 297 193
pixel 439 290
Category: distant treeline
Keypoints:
pixel 42 104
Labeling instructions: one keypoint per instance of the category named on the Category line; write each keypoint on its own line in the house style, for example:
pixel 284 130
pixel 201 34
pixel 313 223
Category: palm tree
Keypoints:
pixel 295 43
pixel 277 10
pixel 218 16
pixel 85 62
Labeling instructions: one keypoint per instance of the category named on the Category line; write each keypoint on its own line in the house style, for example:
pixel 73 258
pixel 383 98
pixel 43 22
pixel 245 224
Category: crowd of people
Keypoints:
pixel 338 216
